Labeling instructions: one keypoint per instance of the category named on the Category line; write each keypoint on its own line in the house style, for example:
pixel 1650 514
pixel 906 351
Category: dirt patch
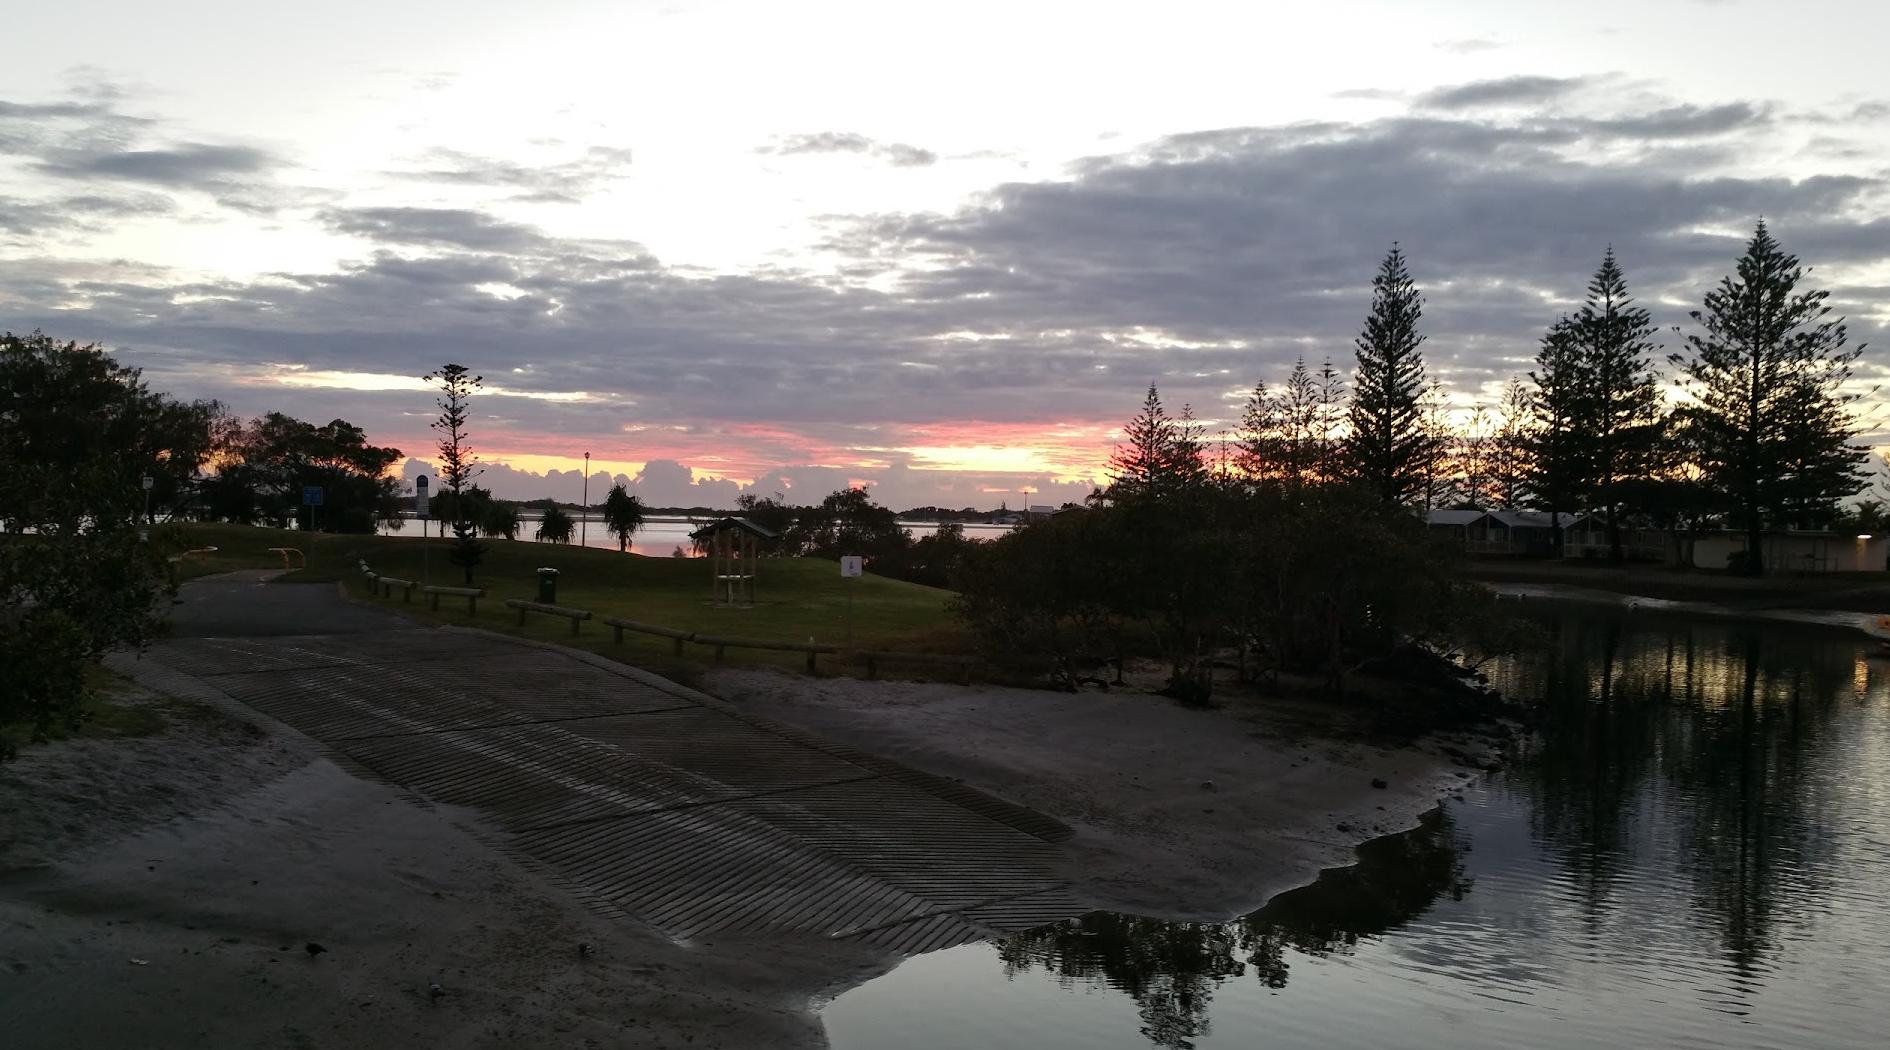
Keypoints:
pixel 1179 813
pixel 162 892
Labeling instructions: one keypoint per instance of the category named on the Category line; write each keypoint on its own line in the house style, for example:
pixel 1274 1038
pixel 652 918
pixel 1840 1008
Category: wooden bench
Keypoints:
pixel 576 616
pixel 811 649
pixel 471 594
pixel 875 658
pixel 388 583
pixel 301 560
pixel 618 626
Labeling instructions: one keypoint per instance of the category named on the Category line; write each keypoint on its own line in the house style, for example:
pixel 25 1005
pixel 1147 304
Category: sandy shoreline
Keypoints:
pixel 159 891
pixel 1179 813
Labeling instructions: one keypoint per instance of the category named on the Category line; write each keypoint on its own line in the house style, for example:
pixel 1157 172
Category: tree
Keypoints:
pixel 458 464
pixel 1509 463
pixel 1765 374
pixel 1621 410
pixel 1163 454
pixel 500 519
pixel 1558 475
pixel 267 462
pixel 1389 449
pixel 73 408
pixel 555 526
pixel 77 574
pixel 623 514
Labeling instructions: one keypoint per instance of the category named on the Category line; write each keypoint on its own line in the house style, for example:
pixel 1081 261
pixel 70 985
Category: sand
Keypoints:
pixel 1179 813
pixel 159 892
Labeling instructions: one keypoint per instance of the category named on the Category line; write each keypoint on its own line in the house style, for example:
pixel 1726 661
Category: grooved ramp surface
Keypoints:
pixel 654 801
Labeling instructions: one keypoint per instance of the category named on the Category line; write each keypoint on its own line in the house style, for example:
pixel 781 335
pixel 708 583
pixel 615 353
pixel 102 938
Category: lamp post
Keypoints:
pixel 584 514
pixel 144 526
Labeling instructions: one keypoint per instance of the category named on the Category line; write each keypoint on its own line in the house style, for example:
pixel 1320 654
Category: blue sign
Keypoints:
pixel 311 495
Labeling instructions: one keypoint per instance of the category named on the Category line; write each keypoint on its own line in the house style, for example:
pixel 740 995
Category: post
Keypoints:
pixel 144 526
pixel 584 512
pixel 420 511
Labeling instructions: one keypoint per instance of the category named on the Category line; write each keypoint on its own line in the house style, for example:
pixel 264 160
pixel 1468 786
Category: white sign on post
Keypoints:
pixel 420 497
pixel 850 566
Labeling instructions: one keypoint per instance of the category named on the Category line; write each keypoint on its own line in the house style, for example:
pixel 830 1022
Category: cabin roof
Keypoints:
pixel 735 524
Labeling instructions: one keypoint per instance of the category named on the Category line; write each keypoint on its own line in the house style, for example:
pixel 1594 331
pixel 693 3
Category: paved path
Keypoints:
pixel 640 795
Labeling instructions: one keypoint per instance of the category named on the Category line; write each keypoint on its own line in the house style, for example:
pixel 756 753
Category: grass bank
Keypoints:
pixel 798 599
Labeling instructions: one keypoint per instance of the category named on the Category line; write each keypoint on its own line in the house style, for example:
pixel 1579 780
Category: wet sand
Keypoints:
pixel 1179 813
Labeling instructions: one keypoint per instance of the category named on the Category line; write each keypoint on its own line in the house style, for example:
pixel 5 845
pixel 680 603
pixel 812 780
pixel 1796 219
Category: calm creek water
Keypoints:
pixel 1695 852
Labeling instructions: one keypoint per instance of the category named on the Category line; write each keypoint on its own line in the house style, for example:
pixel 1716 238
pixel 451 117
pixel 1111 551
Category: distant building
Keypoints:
pixel 1792 551
pixel 1523 532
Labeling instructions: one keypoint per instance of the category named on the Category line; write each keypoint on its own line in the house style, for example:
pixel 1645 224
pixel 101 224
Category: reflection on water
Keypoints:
pixel 1172 968
pixel 1693 852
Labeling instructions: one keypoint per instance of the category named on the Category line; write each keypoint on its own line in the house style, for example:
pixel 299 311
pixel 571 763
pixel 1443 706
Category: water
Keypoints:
pixel 659 538
pixel 1695 852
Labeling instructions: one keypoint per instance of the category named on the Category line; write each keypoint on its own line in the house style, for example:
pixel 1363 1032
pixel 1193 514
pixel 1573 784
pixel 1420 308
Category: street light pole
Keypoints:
pixel 584 515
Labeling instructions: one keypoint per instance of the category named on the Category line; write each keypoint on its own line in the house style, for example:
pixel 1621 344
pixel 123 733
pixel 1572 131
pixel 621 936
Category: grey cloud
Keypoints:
pixel 898 154
pixel 1202 261
pixel 186 166
pixel 1681 121
pixel 435 228
pixel 1507 91
pixel 89 212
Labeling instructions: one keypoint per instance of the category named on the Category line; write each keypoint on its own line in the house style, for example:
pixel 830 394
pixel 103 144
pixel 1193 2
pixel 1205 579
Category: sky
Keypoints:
pixel 940 249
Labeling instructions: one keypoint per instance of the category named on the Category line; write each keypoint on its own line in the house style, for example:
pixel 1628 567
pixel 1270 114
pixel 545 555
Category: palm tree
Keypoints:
pixel 556 526
pixel 623 514
pixel 500 519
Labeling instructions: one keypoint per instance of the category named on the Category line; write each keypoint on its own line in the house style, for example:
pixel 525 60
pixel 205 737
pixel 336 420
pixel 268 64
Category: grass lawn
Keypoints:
pixel 797 599
pixel 237 546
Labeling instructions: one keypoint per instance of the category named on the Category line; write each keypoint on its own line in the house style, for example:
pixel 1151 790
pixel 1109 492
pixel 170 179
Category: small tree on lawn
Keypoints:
pixel 556 526
pixel 458 465
pixel 623 514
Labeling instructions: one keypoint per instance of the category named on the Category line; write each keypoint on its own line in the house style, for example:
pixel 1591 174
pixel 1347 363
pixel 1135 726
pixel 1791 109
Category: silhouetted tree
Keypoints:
pixel 77 576
pixel 555 526
pixel 1389 450
pixel 1620 400
pixel 458 464
pixel 623 514
pixel 500 519
pixel 1766 375
pixel 1162 454
pixel 1558 474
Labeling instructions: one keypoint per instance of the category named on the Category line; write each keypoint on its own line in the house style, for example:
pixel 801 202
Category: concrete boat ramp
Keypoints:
pixel 650 801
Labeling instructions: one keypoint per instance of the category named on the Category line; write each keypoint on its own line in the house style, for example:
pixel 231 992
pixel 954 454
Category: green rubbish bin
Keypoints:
pixel 548 586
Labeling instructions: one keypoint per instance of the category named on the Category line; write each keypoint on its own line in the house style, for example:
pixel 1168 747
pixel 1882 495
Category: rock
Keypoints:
pixel 1343 827
pixel 313 949
pixel 1379 783
pixel 1208 785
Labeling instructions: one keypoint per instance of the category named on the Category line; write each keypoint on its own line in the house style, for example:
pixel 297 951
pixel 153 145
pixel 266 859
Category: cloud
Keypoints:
pixel 568 182
pixel 23 219
pixel 1033 316
pixel 435 228
pixel 186 166
pixel 1470 45
pixel 898 154
pixel 1507 91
